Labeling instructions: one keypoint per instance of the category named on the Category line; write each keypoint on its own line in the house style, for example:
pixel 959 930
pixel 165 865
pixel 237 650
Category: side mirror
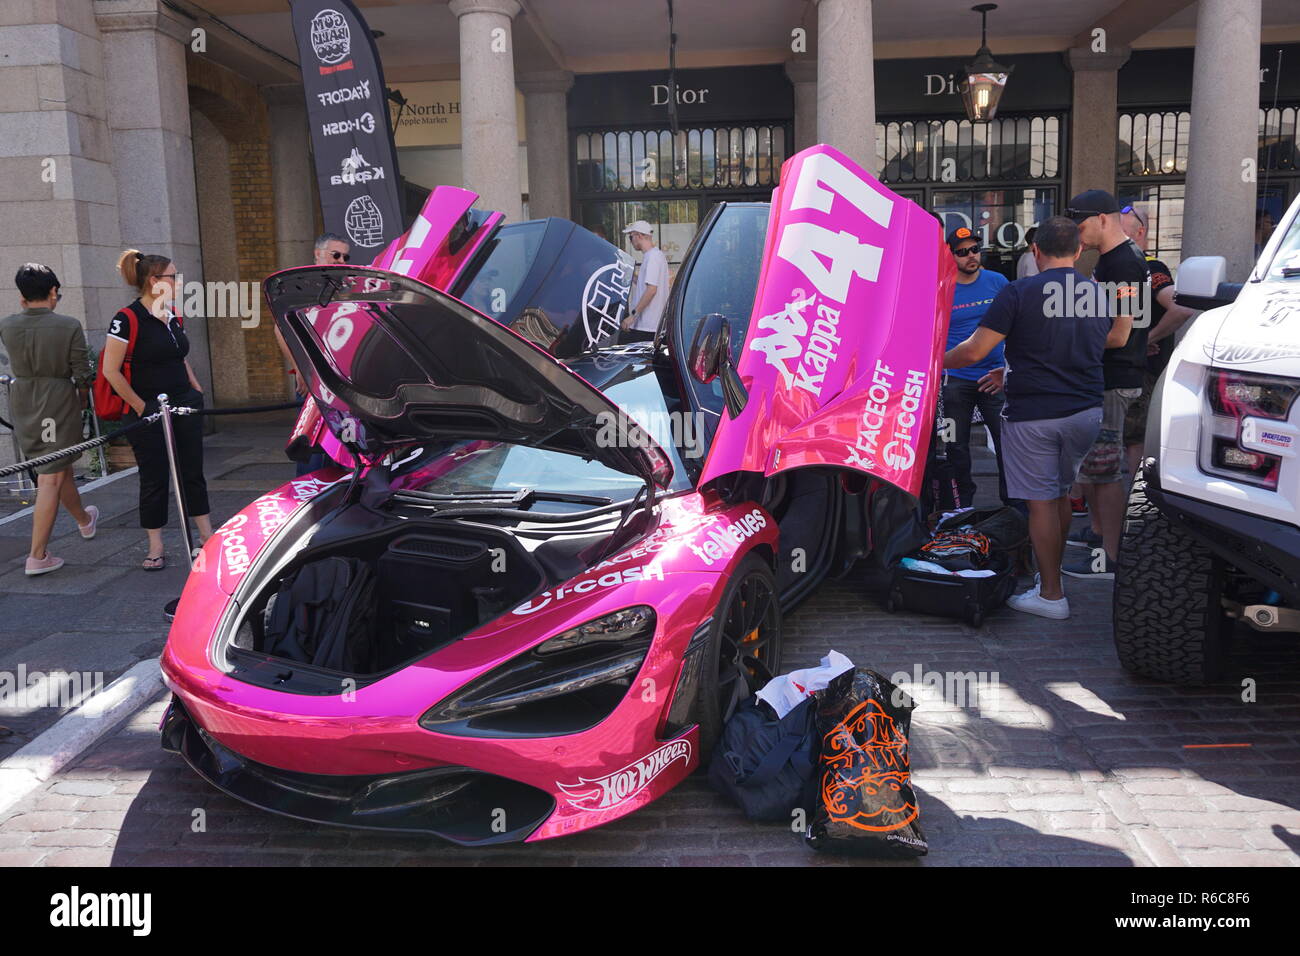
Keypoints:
pixel 1200 283
pixel 710 348
pixel 710 356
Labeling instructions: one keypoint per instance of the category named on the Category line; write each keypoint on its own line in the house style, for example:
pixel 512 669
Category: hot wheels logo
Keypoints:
pixel 615 789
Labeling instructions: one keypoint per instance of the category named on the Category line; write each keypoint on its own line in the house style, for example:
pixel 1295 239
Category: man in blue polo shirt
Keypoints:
pixel 979 385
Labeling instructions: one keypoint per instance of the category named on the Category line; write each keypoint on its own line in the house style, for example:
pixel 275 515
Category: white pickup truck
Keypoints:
pixel 1211 536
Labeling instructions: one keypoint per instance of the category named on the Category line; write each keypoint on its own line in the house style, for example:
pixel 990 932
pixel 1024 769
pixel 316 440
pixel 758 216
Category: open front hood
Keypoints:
pixel 391 361
pixel 843 356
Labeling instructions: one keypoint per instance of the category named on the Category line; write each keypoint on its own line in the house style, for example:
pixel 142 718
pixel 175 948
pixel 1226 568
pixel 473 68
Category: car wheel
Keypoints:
pixel 743 649
pixel 1168 620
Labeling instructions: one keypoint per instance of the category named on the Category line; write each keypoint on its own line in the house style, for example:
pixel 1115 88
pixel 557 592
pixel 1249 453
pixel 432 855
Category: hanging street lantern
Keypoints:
pixel 985 79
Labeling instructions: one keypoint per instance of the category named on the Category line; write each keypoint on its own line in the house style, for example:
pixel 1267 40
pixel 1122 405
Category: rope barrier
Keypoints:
pixel 86 446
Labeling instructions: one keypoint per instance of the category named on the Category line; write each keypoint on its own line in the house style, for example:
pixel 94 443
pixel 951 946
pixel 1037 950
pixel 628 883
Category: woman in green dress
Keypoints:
pixel 52 373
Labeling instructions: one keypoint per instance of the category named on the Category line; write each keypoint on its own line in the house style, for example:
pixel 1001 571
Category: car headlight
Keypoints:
pixel 1229 445
pixel 566 684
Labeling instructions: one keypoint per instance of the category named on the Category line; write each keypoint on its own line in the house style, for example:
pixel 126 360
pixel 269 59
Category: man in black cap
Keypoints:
pixel 978 385
pixel 1121 271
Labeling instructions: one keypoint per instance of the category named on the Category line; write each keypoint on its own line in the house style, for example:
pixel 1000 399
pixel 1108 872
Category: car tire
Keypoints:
pixel 1168 622
pixel 752 577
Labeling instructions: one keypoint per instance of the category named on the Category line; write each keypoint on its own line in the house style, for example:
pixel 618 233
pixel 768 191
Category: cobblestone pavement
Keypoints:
pixel 1062 759
pixel 1069 762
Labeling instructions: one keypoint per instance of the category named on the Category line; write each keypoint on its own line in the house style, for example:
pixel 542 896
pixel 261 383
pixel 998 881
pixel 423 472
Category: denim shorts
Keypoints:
pixel 1041 458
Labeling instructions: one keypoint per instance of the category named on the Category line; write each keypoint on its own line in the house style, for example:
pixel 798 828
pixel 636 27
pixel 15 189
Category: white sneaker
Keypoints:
pixel 1031 602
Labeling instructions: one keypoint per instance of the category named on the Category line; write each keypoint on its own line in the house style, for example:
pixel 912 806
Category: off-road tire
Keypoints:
pixel 1168 622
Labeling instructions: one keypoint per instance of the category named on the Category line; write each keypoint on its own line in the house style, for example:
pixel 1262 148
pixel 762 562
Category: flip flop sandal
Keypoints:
pixel 155 564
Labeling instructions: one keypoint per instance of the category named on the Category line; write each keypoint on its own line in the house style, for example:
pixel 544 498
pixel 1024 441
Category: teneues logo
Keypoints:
pixel 77 909
pixel 331 40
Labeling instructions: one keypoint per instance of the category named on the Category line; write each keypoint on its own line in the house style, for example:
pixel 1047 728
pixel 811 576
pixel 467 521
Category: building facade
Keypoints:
pixel 178 126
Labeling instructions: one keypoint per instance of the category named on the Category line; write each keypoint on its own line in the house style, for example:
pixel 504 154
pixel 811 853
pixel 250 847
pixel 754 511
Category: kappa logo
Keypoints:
pixel 331 40
pixel 800 355
pixel 365 123
pixel 356 169
pixel 617 788
pixel 345 95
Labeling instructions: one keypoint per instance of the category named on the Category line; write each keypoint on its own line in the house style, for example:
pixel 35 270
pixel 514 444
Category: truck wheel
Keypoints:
pixel 1167 618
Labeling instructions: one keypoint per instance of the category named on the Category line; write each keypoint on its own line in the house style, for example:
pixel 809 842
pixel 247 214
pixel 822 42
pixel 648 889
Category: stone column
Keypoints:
pixel 489 133
pixel 58 201
pixel 292 176
pixel 846 83
pixel 546 121
pixel 1093 118
pixel 153 157
pixel 1223 144
pixel 802 72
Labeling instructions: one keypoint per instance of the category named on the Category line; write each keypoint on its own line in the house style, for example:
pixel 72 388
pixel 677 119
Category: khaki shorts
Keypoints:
pixel 1104 463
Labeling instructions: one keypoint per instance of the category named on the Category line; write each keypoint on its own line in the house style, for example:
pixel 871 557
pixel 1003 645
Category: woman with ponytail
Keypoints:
pixel 149 337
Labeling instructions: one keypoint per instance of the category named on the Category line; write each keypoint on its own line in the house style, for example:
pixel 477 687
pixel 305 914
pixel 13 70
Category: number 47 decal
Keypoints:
pixel 805 244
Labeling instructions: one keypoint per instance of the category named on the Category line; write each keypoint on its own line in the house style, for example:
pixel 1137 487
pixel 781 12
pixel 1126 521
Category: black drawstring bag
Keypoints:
pixel 865 803
pixel 766 764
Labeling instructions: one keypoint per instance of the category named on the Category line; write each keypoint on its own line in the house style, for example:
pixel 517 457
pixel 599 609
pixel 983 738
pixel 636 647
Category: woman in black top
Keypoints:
pixel 158 366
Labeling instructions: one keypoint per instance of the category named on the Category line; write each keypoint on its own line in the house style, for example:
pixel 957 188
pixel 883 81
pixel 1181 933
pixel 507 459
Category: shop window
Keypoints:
pixel 936 151
pixel 1279 144
pixel 724 158
pixel 1153 144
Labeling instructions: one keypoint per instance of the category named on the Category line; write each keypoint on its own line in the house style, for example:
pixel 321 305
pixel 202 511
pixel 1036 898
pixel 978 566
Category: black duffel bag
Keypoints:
pixel 767 764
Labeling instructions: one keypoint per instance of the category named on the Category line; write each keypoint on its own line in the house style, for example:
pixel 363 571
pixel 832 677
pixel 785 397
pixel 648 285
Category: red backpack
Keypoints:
pixel 109 405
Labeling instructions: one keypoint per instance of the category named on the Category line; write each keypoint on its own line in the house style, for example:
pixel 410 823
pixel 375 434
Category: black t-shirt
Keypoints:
pixel 158 357
pixel 1124 366
pixel 1054 359
pixel 1161 278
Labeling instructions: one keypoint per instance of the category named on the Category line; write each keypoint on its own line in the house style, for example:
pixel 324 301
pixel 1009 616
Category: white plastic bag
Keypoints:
pixel 784 693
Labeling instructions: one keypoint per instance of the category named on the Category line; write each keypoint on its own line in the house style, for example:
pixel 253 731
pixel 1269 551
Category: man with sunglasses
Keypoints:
pixel 330 250
pixel 978 385
pixel 1122 270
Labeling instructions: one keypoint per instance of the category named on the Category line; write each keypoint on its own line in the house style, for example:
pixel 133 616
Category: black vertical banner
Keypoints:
pixel 347 112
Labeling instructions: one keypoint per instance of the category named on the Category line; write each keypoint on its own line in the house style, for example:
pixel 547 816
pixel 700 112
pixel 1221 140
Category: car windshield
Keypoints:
pixel 497 281
pixel 476 467
pixel 1288 254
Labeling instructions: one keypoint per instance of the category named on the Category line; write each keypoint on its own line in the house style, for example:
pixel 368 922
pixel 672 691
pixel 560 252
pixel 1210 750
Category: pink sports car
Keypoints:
pixel 541 568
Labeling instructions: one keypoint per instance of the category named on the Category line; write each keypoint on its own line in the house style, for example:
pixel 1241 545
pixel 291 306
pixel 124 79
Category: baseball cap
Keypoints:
pixel 640 226
pixel 959 235
pixel 1089 203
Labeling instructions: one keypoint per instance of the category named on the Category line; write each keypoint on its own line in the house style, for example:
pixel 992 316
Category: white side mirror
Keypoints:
pixel 1201 275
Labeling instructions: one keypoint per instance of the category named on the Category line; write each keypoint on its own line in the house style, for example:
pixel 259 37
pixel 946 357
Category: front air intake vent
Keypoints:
pixel 439 548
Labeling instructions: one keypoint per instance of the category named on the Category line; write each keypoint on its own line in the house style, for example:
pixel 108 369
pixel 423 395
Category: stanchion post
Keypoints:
pixel 24 482
pixel 169 439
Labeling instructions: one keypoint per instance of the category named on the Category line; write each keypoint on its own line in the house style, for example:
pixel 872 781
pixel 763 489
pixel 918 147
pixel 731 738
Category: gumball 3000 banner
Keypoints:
pixel 356 162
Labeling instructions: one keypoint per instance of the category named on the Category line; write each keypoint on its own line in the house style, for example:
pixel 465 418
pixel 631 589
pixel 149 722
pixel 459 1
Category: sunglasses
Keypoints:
pixel 336 256
pixel 968 251
pixel 1079 215
pixel 1137 213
